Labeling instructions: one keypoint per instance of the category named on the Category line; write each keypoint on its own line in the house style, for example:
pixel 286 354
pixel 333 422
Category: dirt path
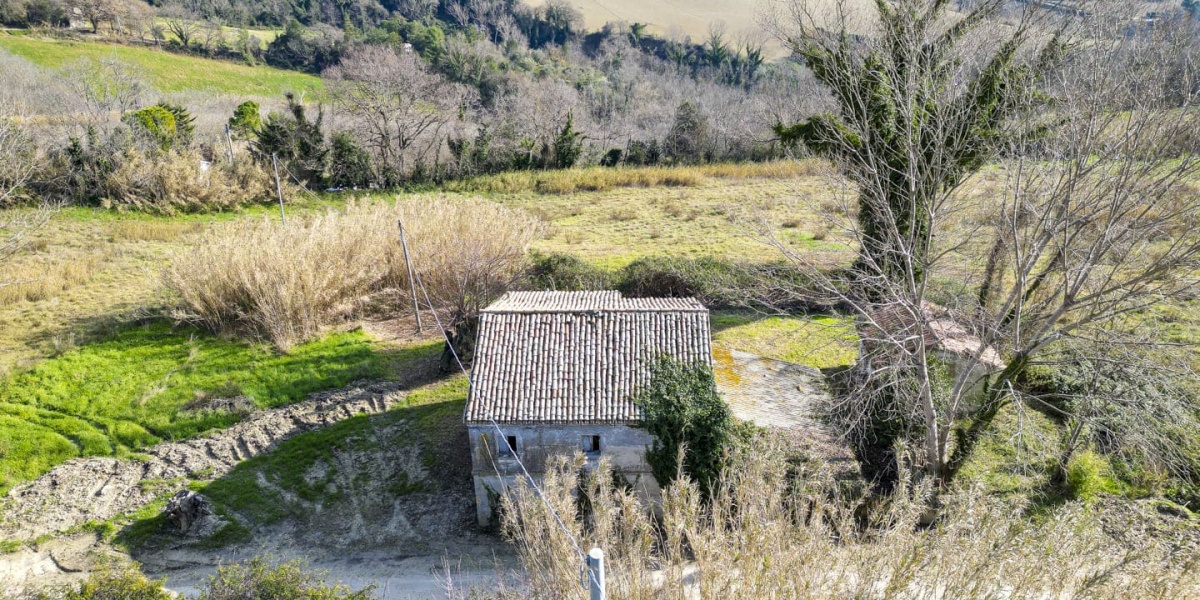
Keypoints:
pixel 394 578
pixel 97 489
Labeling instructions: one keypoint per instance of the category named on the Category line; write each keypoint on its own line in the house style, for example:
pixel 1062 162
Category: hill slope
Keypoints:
pixel 168 72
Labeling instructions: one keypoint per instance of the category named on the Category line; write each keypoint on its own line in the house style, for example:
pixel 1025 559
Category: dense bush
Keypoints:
pixel 246 121
pixel 684 412
pixel 153 123
pixel 715 282
pixel 296 142
pixel 349 164
pixel 311 49
pixel 112 171
pixel 109 581
pixel 565 273
pixel 721 284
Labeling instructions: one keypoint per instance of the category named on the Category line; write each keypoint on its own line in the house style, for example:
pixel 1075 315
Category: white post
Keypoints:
pixel 595 574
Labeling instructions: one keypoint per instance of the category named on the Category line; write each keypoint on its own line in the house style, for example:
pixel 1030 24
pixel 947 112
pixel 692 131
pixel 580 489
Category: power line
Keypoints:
pixel 502 437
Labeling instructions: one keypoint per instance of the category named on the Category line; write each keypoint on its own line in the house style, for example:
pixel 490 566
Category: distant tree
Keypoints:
pixel 688 141
pixel 349 165
pixel 45 12
pixel 211 36
pixel 568 146
pixel 295 141
pixel 311 49
pixel 96 12
pixel 105 86
pixel 246 121
pixel 18 160
pixel 181 23
pixel 402 111
pixel 683 410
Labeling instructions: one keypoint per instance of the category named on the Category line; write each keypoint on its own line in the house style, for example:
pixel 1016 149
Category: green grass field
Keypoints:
pixel 166 71
pixel 819 341
pixel 150 383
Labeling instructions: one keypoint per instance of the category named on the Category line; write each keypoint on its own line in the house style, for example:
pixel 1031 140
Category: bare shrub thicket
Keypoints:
pixel 19 158
pixel 399 109
pixel 767 534
pixel 181 182
pixel 287 282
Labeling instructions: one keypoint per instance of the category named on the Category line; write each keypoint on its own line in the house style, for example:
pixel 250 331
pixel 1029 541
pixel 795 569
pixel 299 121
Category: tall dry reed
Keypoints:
pixel 766 535
pixel 287 282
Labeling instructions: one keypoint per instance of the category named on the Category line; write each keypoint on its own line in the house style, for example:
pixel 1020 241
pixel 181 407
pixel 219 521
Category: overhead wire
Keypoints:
pixel 502 437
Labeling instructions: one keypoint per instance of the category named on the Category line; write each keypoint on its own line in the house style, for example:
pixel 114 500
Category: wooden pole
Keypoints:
pixel 412 283
pixel 595 574
pixel 278 189
pixel 229 142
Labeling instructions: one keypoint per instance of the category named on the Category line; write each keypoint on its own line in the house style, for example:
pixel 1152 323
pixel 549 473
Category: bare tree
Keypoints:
pixel 1091 224
pixel 181 23
pixel 18 160
pixel 212 37
pixel 529 118
pixel 105 85
pixel 96 11
pixel 401 109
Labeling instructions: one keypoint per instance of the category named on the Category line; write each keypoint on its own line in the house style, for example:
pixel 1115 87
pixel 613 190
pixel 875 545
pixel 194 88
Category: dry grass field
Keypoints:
pixel 91 269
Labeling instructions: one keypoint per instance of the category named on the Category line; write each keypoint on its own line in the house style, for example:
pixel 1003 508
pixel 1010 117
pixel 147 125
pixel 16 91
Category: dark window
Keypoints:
pixel 591 445
pixel 509 447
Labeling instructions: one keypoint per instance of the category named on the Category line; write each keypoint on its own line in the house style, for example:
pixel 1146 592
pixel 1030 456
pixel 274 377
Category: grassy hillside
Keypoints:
pixel 168 72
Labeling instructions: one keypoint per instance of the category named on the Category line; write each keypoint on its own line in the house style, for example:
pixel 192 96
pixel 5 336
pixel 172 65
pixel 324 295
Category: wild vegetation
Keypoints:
pixel 987 163
pixel 289 282
pixel 768 529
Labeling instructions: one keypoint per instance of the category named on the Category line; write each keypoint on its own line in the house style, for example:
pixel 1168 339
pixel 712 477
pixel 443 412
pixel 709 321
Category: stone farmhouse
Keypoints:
pixel 558 372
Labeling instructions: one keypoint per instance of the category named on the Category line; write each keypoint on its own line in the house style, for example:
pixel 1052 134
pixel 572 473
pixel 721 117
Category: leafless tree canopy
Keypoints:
pixel 106 86
pixel 1087 219
pixel 398 107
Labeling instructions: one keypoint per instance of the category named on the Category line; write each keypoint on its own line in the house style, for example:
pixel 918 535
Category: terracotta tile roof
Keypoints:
pixel 544 302
pixel 577 357
pixel 942 332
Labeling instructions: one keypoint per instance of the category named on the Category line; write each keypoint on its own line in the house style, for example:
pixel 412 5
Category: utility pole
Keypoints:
pixel 278 189
pixel 595 575
pixel 229 143
pixel 412 284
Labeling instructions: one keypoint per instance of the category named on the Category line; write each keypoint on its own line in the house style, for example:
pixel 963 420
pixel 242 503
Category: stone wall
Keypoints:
pixel 495 470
